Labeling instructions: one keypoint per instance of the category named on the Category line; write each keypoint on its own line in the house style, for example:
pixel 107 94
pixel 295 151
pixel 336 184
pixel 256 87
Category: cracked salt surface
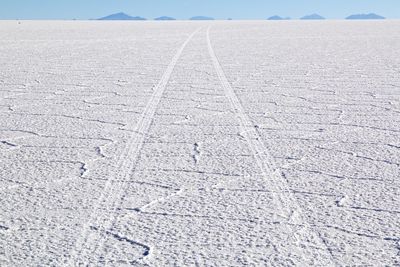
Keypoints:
pixel 209 144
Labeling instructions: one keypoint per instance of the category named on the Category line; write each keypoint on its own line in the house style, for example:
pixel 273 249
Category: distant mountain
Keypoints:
pixel 201 18
pixel 165 18
pixel 278 18
pixel 313 17
pixel 121 16
pixel 365 16
pixel 275 18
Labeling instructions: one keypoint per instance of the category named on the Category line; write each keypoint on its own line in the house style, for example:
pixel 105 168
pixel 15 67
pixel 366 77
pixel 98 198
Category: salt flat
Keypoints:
pixel 200 143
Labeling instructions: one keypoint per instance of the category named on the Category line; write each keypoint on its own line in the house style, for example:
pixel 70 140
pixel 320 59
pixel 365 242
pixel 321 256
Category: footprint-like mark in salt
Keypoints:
pixel 197 152
pixel 342 202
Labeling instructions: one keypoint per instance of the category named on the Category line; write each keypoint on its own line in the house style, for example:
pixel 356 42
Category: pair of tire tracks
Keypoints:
pixel 283 198
pixel 103 216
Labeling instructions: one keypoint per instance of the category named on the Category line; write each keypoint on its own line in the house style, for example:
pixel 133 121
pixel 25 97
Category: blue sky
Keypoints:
pixel 182 9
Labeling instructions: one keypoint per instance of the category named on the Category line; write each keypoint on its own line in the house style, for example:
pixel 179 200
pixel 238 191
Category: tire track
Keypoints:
pixel 103 217
pixel 283 198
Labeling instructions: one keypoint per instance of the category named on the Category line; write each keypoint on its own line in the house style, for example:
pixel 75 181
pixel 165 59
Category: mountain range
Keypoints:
pixel 123 16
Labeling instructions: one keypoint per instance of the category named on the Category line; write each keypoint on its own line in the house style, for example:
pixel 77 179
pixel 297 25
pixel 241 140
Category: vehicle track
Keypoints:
pixel 102 217
pixel 283 198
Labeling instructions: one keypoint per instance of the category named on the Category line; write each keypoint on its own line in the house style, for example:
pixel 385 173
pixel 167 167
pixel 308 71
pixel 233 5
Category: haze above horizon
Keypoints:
pixel 184 9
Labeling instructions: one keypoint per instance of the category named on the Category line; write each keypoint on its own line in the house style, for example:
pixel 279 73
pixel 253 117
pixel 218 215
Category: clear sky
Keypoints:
pixel 183 9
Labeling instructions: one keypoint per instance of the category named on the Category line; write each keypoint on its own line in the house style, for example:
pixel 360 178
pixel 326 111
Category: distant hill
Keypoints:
pixel 275 18
pixel 201 18
pixel 313 17
pixel 278 18
pixel 121 16
pixel 365 16
pixel 165 18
